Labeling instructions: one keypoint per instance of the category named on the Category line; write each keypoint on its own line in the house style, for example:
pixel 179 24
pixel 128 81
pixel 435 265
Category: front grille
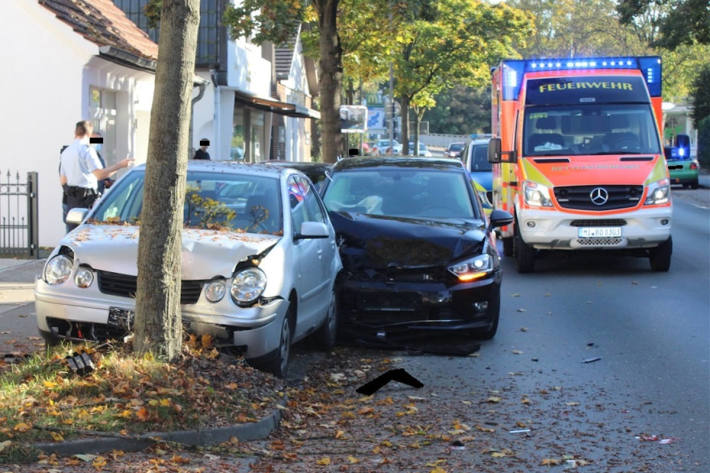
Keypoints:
pixel 608 222
pixel 124 285
pixel 399 275
pixel 579 197
pixel 612 241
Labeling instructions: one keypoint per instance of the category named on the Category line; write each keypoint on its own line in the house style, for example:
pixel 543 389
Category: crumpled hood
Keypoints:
pixel 205 253
pixel 377 242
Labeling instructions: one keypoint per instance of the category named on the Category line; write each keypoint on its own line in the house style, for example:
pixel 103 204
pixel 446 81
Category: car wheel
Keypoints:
pixel 660 257
pixel 524 255
pixel 507 246
pixel 493 316
pixel 327 334
pixel 694 184
pixel 276 362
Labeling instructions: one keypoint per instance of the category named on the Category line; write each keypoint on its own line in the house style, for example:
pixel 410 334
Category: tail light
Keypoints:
pixel 693 166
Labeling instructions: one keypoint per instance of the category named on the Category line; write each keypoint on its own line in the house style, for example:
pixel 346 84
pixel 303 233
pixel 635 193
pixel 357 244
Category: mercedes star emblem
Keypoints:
pixel 599 196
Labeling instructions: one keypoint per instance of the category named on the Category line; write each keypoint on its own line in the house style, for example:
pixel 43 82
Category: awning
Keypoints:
pixel 275 106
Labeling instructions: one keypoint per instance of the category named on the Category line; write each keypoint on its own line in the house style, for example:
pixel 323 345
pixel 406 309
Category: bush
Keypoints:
pixel 704 141
pixel 701 95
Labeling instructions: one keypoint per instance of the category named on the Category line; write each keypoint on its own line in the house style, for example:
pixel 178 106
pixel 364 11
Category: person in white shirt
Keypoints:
pixel 80 170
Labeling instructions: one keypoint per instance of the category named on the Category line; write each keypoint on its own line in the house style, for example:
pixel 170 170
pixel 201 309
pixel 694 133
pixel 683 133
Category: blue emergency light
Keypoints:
pixel 515 69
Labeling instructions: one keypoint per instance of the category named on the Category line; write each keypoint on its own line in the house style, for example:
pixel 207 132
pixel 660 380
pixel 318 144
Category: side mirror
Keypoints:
pixel 76 216
pixel 494 154
pixel 312 230
pixel 500 218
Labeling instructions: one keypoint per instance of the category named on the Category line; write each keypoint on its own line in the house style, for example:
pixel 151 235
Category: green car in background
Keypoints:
pixel 682 168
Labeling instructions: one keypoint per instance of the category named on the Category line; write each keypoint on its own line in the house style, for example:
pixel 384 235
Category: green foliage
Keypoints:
pixel 461 110
pixel 701 95
pixel 264 20
pixel 456 44
pixel 152 11
pixel 566 28
pixel 704 141
pixel 674 22
pixel 680 68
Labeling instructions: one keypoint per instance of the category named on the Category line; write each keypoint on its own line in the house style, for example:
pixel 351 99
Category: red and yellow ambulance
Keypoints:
pixel 578 157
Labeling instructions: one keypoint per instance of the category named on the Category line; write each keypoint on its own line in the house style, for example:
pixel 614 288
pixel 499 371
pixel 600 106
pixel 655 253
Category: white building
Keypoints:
pixel 64 61
pixel 257 103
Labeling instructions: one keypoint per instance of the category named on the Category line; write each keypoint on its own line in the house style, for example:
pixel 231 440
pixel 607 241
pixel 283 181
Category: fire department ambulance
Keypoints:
pixel 577 157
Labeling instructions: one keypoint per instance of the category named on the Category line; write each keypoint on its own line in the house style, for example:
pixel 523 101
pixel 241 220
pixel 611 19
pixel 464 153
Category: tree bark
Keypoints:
pixel 404 102
pixel 158 325
pixel 331 78
pixel 418 115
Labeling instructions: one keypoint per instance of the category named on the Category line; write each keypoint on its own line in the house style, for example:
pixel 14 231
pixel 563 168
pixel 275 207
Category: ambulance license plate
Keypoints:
pixel 599 232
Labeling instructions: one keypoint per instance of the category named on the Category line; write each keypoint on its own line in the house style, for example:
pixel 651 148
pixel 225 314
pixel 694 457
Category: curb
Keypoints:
pixel 244 432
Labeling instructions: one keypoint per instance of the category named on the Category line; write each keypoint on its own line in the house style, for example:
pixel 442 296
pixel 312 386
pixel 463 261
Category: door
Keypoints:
pixel 308 257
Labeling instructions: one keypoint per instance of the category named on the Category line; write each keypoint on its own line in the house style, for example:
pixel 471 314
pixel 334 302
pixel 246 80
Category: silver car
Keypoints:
pixel 259 261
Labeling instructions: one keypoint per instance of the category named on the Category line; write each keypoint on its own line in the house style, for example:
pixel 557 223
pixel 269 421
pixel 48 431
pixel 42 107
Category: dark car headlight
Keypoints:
pixel 472 268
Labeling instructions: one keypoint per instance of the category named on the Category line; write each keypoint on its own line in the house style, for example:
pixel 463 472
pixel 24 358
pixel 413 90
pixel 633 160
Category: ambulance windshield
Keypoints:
pixel 590 129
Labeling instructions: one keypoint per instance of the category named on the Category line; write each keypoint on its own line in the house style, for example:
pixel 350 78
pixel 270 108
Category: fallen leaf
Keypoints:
pixel 438 469
pixel 520 309
pixel 517 352
pixel 231 386
pixel 523 329
pixel 85 457
pixel 5 444
pixel 493 400
pixel 206 340
pixel 339 434
pixel 178 460
pixel 57 437
pixel 550 462
pixel 325 461
pixel 353 460
pixel 143 414
pixel 515 294
pixel 498 454
pixel 99 462
pixel 22 427
pixel 572 404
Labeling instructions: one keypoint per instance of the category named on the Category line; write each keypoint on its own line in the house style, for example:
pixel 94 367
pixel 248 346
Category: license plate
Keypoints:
pixel 599 232
pixel 120 318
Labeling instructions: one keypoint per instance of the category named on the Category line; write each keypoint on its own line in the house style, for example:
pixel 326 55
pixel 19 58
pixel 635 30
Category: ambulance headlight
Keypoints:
pixel 536 195
pixel 659 192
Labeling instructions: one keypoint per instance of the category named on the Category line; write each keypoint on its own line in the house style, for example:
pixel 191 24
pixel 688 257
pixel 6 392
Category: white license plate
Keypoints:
pixel 599 232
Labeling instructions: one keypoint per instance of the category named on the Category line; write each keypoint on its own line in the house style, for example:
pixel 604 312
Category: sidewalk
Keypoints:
pixel 18 327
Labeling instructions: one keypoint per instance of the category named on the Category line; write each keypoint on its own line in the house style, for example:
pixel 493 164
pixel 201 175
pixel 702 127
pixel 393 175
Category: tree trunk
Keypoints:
pixel 158 327
pixel 404 102
pixel 330 80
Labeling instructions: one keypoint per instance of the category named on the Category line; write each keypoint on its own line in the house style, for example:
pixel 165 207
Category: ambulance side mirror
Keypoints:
pixel 494 151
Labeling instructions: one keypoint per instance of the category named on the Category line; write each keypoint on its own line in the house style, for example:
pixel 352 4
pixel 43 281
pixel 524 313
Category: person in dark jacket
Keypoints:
pixel 201 152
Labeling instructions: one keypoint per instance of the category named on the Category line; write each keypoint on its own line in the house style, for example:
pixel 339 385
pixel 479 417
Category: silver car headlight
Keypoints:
pixel 247 285
pixel 84 277
pixel 658 192
pixel 473 268
pixel 215 290
pixel 57 270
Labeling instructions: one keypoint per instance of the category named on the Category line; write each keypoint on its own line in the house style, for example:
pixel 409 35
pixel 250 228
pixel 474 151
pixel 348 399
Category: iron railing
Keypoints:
pixel 19 227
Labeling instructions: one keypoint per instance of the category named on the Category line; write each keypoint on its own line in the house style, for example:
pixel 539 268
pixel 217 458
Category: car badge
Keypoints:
pixel 599 196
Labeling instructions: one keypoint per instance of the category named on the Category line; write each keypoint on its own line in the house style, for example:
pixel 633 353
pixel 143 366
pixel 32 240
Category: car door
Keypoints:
pixel 309 270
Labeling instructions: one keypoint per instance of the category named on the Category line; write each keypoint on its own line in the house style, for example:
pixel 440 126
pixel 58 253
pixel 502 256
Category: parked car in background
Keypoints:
pixel 454 150
pixel 423 150
pixel 316 172
pixel 259 263
pixel 418 256
pixel 475 159
pixel 388 147
pixel 682 168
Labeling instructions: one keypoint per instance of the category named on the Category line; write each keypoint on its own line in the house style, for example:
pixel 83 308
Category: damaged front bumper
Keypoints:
pixel 67 312
pixel 396 311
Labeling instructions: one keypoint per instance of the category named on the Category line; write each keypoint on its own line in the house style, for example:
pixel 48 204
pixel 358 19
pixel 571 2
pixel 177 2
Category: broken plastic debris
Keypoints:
pixel 592 360
pixel 519 431
pixel 80 363
pixel 399 375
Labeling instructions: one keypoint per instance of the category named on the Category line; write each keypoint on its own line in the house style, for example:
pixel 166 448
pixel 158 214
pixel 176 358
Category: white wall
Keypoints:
pixel 47 72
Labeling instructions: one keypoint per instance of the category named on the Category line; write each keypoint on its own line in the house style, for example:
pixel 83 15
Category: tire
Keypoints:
pixel 507 246
pixel 660 257
pixel 694 184
pixel 494 316
pixel 327 334
pixel 524 255
pixel 276 362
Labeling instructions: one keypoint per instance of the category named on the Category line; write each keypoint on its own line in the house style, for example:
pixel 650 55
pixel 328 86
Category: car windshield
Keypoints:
pixel 456 146
pixel 414 193
pixel 479 159
pixel 232 202
pixel 590 129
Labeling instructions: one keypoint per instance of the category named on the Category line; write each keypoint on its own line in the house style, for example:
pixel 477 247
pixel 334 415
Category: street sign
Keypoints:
pixel 353 118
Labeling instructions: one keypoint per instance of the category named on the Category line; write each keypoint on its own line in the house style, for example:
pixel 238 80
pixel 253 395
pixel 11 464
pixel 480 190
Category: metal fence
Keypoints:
pixel 19 229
